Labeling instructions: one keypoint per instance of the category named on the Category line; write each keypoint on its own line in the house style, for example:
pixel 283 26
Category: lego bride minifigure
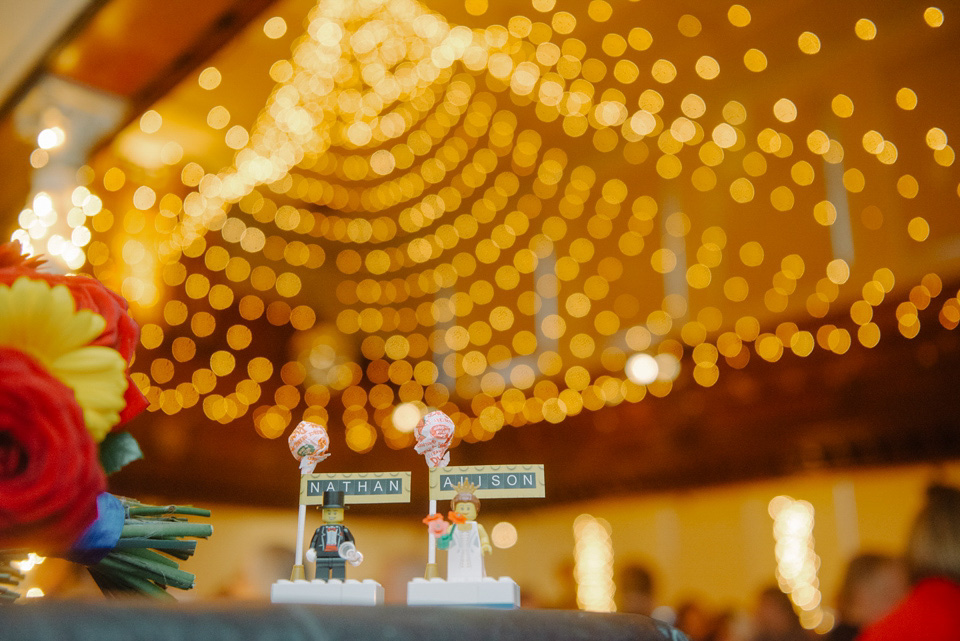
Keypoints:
pixel 465 540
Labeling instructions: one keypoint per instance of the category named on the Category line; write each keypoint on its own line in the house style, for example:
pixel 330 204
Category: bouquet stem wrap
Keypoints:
pixel 99 539
pixel 128 548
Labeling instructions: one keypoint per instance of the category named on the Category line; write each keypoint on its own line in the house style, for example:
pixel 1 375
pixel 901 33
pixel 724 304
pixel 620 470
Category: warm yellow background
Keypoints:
pixel 714 544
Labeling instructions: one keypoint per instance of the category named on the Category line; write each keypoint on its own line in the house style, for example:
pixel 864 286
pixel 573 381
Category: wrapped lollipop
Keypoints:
pixel 309 443
pixel 434 433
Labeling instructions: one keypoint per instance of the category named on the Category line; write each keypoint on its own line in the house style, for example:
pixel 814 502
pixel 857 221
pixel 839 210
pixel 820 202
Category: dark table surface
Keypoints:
pixel 51 620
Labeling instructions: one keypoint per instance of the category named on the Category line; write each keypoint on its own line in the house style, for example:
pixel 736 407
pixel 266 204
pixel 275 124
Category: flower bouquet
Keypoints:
pixel 10 576
pixel 66 343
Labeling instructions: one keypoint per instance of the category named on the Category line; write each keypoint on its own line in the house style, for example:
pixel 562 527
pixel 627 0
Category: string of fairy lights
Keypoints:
pixel 797 561
pixel 470 199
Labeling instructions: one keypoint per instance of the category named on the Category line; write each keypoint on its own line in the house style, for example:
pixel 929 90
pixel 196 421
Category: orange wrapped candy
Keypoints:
pixel 434 433
pixel 309 443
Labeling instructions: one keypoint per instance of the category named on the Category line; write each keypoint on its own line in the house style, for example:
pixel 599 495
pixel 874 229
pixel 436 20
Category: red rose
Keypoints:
pixel 121 332
pixel 50 475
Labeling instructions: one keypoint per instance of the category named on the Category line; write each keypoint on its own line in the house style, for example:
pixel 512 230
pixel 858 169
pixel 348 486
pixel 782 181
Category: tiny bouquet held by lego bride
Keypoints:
pixel 66 343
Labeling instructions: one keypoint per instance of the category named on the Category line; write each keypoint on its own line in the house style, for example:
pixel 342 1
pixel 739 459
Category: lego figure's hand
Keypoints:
pixel 311 555
pixel 436 525
pixel 349 552
pixel 486 548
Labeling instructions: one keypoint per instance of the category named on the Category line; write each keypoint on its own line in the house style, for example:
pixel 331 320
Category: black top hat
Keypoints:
pixel 333 498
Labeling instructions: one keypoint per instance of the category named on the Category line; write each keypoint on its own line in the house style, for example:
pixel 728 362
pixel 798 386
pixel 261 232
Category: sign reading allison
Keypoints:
pixel 492 481
pixel 358 487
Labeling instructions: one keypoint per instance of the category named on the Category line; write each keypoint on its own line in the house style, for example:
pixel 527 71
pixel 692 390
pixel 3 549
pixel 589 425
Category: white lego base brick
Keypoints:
pixel 332 592
pixel 488 592
pixel 440 592
pixel 367 592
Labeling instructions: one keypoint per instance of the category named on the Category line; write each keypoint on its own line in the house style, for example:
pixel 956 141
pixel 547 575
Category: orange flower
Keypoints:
pixel 121 332
pixel 11 256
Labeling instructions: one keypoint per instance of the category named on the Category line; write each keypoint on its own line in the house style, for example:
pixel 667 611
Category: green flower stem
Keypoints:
pixel 124 578
pixel 146 569
pixel 183 555
pixel 107 584
pixel 161 573
pixel 10 578
pixel 151 556
pixel 151 528
pixel 173 547
pixel 151 510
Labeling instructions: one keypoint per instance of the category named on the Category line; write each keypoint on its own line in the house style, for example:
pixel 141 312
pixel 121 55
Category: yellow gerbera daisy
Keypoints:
pixel 41 321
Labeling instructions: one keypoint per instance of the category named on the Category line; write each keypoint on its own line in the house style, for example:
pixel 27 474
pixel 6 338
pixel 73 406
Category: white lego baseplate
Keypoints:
pixel 332 592
pixel 488 592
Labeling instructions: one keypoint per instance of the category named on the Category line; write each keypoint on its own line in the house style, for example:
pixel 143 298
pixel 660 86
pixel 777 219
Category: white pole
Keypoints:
pixel 432 540
pixel 301 521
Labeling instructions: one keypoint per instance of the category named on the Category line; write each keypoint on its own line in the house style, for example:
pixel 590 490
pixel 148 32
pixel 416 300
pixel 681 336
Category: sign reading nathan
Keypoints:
pixel 492 481
pixel 357 487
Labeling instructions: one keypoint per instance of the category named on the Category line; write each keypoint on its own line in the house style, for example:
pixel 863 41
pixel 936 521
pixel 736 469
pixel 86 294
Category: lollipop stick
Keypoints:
pixel 431 571
pixel 298 572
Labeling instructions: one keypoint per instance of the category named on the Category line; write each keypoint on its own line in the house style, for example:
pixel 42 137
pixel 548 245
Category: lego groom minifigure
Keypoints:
pixel 332 543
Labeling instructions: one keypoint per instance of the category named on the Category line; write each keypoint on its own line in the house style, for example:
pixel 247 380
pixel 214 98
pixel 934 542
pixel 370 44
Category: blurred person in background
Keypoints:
pixel 635 590
pixel 564 595
pixel 872 586
pixel 931 611
pixel 775 620
pixel 731 625
pixel 694 620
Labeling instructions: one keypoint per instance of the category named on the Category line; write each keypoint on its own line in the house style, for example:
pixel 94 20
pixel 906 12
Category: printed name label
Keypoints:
pixel 357 487
pixel 491 481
